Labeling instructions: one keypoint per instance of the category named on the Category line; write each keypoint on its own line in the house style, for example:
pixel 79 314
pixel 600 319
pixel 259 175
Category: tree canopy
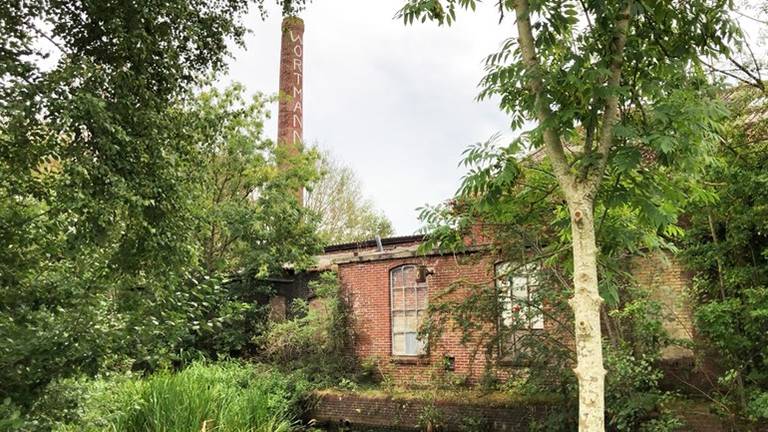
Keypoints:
pixel 345 215
pixel 128 193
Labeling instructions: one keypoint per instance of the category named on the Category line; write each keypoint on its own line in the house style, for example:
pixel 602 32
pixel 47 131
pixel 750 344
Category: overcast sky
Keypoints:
pixel 395 103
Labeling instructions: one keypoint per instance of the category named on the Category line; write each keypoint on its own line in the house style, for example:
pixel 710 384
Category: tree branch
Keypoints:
pixel 50 39
pixel 611 111
pixel 755 78
pixel 552 141
pixel 741 79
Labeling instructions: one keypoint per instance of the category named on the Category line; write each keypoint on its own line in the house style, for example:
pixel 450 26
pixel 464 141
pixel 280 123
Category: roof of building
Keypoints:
pixel 388 241
pixel 392 248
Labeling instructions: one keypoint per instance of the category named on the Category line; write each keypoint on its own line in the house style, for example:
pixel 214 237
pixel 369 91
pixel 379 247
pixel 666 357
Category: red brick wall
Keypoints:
pixel 366 286
pixel 388 413
pixel 668 283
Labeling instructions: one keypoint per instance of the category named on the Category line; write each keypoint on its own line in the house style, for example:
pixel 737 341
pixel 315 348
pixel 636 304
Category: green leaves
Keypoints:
pixel 725 246
pixel 289 7
pixel 433 10
pixel 108 164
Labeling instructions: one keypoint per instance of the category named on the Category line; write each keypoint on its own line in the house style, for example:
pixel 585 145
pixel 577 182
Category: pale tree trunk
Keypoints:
pixel 586 302
pixel 580 190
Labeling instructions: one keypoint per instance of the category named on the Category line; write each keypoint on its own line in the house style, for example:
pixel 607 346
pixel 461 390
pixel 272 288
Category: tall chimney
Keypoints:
pixel 290 114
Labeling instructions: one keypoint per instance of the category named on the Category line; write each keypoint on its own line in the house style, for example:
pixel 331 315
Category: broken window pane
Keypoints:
pixel 520 310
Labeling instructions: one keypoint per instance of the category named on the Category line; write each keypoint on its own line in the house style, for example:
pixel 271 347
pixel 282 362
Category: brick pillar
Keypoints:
pixel 290 114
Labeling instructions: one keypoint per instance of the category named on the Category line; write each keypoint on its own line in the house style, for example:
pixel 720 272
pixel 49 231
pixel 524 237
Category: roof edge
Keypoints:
pixel 388 241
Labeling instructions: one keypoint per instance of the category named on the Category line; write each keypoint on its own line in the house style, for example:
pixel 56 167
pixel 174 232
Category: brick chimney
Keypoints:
pixel 290 113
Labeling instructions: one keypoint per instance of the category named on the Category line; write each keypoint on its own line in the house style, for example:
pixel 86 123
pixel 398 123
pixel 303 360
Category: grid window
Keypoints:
pixel 521 312
pixel 409 305
pixel 517 289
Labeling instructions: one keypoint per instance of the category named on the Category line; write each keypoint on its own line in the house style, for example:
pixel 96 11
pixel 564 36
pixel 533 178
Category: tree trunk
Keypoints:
pixel 586 302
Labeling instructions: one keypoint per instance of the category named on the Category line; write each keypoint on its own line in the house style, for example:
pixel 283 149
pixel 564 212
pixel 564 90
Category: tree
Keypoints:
pixel 603 82
pixel 249 224
pixel 108 162
pixel 514 201
pixel 345 216
pixel 245 178
pixel 96 179
pixel 727 248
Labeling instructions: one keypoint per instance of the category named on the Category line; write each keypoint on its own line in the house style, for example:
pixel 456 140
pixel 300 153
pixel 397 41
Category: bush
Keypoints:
pixel 317 339
pixel 227 396
pixel 633 398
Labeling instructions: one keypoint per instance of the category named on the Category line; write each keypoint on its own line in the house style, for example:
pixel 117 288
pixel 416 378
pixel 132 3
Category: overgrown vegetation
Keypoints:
pixel 108 300
pixel 316 338
pixel 727 246
pixel 225 396
pixel 142 213
pixel 606 88
pixel 140 210
pixel 514 201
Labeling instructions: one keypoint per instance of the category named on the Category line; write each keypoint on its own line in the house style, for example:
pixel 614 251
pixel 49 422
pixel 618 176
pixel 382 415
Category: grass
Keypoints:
pixel 226 397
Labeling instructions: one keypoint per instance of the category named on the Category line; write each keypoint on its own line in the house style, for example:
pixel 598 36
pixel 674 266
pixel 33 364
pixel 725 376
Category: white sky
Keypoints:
pixel 395 103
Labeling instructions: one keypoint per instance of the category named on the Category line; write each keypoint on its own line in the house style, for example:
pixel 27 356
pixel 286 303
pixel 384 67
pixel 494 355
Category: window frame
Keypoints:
pixel 418 312
pixel 505 292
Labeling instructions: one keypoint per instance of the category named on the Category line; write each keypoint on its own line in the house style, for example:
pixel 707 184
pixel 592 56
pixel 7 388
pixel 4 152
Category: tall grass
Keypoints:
pixel 226 397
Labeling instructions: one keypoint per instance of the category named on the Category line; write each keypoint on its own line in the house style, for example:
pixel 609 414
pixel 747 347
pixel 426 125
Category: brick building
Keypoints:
pixel 389 283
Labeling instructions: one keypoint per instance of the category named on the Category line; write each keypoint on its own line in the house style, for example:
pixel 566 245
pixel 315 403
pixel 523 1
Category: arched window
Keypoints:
pixel 408 303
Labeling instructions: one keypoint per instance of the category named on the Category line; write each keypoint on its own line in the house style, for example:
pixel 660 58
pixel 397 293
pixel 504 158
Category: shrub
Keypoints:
pixel 317 339
pixel 10 416
pixel 229 396
pixel 757 408
pixel 633 398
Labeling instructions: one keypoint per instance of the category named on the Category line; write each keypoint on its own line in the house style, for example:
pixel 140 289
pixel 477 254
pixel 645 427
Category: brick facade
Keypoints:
pixel 389 413
pixel 668 284
pixel 364 275
pixel 366 286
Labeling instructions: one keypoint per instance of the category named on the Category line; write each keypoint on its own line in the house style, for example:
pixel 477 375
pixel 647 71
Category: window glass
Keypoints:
pixel 409 300
pixel 517 291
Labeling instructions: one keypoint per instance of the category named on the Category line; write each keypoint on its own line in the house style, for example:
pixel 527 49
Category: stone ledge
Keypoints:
pixel 388 412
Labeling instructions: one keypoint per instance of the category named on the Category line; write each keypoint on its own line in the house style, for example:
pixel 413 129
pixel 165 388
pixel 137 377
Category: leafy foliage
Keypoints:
pixel 97 178
pixel 119 212
pixel 317 338
pixel 513 200
pixel 345 216
pixel 227 396
pixel 289 7
pixel 244 207
pixel 727 246
pixel 608 85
